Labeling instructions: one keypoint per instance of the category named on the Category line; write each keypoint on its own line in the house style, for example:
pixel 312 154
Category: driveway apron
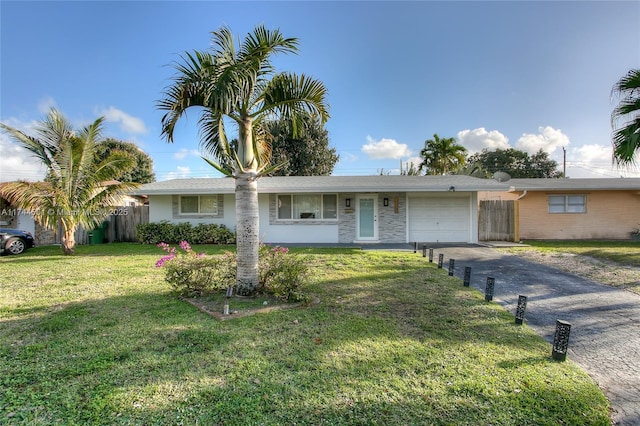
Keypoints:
pixel 605 322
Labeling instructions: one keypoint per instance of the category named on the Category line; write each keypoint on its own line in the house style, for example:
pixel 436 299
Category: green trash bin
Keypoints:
pixel 96 236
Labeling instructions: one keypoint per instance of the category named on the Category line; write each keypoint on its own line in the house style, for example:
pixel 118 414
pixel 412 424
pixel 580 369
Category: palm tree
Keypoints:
pixel 77 190
pixel 626 135
pixel 241 86
pixel 442 156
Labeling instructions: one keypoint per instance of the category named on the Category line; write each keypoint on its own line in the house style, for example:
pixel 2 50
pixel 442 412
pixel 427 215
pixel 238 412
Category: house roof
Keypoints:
pixel 597 184
pixel 307 184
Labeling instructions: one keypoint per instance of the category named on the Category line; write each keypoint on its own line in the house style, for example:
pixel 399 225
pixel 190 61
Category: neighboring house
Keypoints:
pixel 333 209
pixel 565 209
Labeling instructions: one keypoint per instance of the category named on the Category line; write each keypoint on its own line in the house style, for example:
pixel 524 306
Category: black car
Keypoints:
pixel 13 241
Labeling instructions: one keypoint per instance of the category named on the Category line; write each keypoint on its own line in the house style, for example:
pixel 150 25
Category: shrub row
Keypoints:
pixel 166 232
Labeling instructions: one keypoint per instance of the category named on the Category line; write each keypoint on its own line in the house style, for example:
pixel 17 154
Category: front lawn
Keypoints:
pixel 99 338
pixel 623 252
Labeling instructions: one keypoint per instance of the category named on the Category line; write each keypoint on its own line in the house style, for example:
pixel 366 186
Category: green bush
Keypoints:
pixel 281 273
pixel 166 232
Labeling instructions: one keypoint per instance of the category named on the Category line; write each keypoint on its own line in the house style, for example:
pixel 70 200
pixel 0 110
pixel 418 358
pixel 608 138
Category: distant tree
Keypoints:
pixel 442 156
pixel 625 118
pixel 78 189
pixel 518 164
pixel 307 153
pixel 141 172
pixel 409 169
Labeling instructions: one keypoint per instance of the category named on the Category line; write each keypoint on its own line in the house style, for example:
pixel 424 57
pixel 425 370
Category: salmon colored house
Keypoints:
pixel 565 209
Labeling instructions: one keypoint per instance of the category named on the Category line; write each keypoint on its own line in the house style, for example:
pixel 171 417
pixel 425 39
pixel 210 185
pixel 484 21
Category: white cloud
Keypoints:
pixel 184 152
pixel 385 149
pixel 548 139
pixel 478 139
pixel 16 163
pixel 181 172
pixel 45 105
pixel 592 154
pixel 127 122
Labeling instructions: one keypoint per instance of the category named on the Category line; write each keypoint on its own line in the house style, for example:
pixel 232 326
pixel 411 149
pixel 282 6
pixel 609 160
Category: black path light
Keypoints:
pixel 488 291
pixel 451 266
pixel 226 302
pixel 521 308
pixel 467 276
pixel 430 255
pixel 440 260
pixel 424 250
pixel 561 340
pixel 415 247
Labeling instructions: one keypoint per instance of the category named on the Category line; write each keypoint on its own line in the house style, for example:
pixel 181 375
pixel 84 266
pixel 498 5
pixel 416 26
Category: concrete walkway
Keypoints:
pixel 605 322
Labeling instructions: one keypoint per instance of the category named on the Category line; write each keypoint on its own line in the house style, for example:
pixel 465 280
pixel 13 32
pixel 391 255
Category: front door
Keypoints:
pixel 367 217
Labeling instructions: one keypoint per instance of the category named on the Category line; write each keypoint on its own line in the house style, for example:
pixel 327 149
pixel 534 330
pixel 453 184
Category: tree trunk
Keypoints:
pixel 68 241
pixel 247 233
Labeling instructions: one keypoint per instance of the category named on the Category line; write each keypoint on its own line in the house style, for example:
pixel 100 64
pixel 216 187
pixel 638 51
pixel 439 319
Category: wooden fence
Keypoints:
pixel 121 226
pixel 496 220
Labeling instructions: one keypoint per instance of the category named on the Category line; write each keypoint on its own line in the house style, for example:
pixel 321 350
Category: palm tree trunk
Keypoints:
pixel 68 241
pixel 247 232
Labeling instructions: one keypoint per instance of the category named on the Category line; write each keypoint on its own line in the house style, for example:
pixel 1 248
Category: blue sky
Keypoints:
pixel 528 75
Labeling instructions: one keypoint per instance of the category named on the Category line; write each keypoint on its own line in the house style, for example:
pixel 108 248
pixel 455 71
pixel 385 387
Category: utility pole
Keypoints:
pixel 564 162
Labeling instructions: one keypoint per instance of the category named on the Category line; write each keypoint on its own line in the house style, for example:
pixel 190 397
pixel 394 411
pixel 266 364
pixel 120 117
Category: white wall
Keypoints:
pixel 293 233
pixel 161 208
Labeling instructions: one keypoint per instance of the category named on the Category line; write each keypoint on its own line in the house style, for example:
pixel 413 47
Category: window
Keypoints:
pixel 567 204
pixel 307 206
pixel 199 204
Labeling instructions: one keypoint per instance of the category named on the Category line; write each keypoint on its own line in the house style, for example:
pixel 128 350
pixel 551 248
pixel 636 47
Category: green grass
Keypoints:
pixel 623 252
pixel 99 338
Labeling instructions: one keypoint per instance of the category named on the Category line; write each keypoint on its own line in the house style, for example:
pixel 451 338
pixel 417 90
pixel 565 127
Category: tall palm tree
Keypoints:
pixel 442 156
pixel 77 190
pixel 241 86
pixel 625 118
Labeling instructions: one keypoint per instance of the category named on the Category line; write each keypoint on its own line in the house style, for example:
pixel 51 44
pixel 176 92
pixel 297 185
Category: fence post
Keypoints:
pixel 440 260
pixel 430 255
pixel 451 266
pixel 424 250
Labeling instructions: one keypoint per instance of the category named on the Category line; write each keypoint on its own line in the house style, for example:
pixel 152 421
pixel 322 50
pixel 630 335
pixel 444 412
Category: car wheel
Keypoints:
pixel 15 246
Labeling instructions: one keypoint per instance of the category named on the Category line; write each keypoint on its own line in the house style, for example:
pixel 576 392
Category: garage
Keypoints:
pixel 439 219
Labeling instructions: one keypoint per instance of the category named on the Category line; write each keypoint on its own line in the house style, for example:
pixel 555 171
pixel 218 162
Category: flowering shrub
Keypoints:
pixel 281 273
pixel 192 273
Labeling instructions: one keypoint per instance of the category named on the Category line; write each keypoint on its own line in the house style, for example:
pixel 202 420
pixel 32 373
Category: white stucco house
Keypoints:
pixel 333 209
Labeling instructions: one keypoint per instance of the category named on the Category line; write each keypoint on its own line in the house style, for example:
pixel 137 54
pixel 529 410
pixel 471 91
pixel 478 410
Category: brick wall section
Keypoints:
pixel 346 219
pixel 610 215
pixel 392 226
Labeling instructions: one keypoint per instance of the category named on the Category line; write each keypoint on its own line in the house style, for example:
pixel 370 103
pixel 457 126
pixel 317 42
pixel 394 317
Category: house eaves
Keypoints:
pixel 594 184
pixel 323 184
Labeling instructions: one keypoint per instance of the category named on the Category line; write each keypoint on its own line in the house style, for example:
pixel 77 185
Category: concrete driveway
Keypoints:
pixel 605 322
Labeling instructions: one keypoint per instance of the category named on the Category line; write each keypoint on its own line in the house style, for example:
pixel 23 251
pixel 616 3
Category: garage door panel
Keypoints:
pixel 439 219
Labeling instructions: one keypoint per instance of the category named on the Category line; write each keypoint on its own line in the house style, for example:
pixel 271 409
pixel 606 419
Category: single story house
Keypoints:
pixel 566 209
pixel 333 209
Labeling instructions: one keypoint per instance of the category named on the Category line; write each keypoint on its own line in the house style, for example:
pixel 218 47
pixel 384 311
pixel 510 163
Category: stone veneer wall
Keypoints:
pixel 392 225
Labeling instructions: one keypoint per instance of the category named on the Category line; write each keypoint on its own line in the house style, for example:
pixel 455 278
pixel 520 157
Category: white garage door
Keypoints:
pixel 443 219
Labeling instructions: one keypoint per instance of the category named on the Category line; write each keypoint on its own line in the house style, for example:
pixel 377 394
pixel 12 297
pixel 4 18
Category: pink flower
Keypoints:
pixel 184 245
pixel 165 259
